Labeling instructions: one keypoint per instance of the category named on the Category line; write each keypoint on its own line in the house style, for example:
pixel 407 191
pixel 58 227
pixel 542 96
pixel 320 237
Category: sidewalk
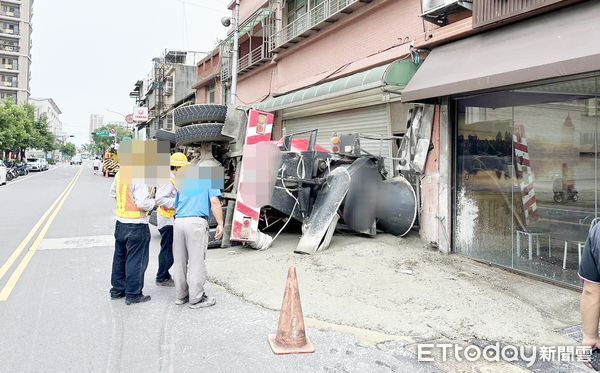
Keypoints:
pixel 395 289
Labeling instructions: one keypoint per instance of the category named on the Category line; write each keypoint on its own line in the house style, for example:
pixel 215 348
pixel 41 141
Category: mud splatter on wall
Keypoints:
pixel 466 221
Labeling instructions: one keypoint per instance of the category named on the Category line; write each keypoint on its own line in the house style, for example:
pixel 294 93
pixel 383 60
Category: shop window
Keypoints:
pixel 527 175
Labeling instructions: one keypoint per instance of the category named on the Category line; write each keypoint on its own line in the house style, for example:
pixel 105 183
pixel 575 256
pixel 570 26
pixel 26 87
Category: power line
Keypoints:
pixel 223 10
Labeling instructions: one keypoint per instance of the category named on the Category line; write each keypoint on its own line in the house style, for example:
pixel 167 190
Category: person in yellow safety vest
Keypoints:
pixel 132 239
pixel 165 200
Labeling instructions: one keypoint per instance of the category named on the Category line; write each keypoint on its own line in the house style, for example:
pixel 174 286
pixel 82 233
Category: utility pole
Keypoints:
pixel 234 55
pixel 158 86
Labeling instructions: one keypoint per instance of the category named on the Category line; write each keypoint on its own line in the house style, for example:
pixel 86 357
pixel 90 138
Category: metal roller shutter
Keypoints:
pixel 370 120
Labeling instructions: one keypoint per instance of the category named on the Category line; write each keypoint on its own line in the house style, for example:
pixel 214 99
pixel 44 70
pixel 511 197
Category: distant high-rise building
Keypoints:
pixel 96 121
pixel 15 50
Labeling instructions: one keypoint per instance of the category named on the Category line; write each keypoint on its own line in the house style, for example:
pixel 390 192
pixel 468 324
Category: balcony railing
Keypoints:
pixel 247 62
pixel 9 84
pixel 7 31
pixel 9 66
pixel 225 63
pixel 9 47
pixel 328 10
pixel 253 58
pixel 11 14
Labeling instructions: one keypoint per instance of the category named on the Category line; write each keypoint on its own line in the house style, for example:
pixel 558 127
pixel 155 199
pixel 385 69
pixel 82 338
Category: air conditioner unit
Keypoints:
pixel 436 11
pixel 8 66
pixel 7 84
pixel 10 14
pixel 9 31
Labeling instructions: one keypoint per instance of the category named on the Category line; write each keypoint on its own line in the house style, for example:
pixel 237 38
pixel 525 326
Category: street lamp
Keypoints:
pixel 128 118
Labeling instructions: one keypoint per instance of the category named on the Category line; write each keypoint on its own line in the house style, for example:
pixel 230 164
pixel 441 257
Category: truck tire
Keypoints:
pixel 199 114
pixel 163 135
pixel 198 133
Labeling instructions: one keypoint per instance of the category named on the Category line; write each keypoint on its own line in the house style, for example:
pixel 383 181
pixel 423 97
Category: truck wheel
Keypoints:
pixel 198 133
pixel 199 114
pixel 163 135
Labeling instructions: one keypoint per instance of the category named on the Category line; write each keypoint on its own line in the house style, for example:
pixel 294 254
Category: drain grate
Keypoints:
pixel 574 332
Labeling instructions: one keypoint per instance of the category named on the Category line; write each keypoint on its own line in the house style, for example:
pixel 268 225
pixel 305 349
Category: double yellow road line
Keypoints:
pixel 48 218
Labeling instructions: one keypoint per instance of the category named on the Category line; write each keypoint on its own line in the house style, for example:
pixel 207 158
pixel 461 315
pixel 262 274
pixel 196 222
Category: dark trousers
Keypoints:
pixel 130 260
pixel 165 257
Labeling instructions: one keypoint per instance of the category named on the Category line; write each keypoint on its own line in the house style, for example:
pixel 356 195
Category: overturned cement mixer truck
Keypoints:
pixel 268 183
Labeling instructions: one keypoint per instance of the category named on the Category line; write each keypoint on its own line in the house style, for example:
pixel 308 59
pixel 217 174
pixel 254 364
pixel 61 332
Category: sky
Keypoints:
pixel 87 55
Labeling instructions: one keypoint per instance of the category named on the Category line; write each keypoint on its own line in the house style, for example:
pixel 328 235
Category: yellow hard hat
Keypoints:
pixel 179 160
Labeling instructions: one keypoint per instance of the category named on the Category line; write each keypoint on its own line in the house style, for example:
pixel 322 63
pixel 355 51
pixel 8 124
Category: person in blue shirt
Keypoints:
pixel 193 204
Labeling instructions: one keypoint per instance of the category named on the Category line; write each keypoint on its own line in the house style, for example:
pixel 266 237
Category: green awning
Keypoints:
pixel 393 76
pixel 250 24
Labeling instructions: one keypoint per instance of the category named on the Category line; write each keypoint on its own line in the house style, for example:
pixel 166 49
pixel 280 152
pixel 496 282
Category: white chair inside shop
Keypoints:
pixel 530 237
pixel 580 246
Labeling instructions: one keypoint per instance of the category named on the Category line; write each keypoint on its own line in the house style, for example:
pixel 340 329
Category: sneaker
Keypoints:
pixel 180 301
pixel 140 299
pixel 204 302
pixel 168 283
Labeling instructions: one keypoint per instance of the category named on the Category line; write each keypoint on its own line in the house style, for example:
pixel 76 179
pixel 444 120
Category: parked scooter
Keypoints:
pixel 21 169
pixel 11 173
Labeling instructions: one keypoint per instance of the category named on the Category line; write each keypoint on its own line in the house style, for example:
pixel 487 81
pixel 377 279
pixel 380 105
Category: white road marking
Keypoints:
pixel 84 242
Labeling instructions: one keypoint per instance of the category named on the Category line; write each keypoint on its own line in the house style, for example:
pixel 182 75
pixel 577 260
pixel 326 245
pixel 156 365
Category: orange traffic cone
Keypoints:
pixel 291 337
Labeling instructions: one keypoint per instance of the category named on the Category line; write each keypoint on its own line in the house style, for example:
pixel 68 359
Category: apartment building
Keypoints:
pixel 15 49
pixel 168 85
pixel 209 89
pixel 47 108
pixel 96 121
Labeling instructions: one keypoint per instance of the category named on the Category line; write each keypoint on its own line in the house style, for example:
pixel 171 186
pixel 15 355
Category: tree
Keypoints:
pixel 42 137
pixel 103 143
pixel 16 128
pixel 68 149
pixel 20 130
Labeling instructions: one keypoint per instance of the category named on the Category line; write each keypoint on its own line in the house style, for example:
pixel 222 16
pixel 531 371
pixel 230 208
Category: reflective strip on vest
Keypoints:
pixel 126 207
pixel 167 212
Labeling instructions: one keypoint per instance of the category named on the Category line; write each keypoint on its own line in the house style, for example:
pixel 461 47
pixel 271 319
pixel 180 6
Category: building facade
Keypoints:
pixel 209 89
pixel 518 131
pixel 167 86
pixel 96 121
pixel 47 108
pixel 337 66
pixel 511 173
pixel 15 50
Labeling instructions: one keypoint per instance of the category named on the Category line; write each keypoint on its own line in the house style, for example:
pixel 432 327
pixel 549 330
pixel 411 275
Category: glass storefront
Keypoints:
pixel 527 176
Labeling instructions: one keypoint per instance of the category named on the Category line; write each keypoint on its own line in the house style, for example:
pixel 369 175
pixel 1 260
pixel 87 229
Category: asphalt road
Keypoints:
pixel 56 315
